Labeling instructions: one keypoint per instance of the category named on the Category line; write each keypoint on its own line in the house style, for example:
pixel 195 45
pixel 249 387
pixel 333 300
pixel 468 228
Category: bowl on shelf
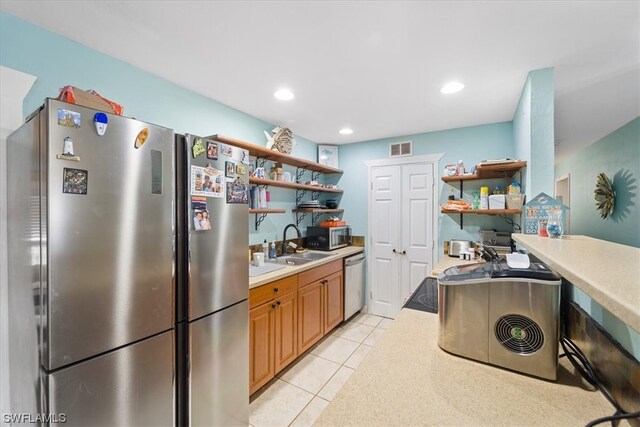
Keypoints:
pixel 331 203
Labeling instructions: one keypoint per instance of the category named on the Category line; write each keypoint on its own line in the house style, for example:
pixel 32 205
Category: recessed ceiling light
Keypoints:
pixel 452 87
pixel 346 131
pixel 284 95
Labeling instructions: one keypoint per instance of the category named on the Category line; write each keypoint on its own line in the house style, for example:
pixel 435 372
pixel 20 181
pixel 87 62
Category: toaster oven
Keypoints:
pixel 328 238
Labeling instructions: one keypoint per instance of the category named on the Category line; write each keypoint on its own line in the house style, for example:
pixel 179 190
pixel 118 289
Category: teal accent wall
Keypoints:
pixel 533 132
pixel 58 61
pixel 618 156
pixel 470 144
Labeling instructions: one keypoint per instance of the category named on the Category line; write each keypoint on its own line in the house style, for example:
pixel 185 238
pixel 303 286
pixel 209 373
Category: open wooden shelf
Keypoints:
pixel 294 185
pixel 483 211
pixel 275 156
pixel 316 210
pixel 266 211
pixel 499 170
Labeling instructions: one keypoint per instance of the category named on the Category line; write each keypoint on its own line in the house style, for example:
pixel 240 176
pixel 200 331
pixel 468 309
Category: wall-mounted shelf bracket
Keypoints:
pixel 300 173
pixel 259 219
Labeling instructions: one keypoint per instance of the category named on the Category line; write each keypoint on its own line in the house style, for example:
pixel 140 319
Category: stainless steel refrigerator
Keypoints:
pixel 91 268
pixel 213 283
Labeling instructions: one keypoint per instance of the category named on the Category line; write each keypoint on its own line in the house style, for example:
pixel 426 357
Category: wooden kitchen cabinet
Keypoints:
pixel 320 303
pixel 334 301
pixel 286 330
pixel 311 319
pixel 261 346
pixel 273 330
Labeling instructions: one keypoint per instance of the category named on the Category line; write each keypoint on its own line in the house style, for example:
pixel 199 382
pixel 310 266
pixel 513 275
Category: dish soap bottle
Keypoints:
pixel 265 248
pixel 272 251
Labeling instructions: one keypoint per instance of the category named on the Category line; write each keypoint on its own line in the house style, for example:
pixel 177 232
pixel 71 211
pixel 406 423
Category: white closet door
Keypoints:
pixel 385 237
pixel 417 226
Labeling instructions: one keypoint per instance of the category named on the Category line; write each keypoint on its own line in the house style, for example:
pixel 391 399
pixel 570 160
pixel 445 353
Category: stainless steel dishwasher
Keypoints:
pixel 353 284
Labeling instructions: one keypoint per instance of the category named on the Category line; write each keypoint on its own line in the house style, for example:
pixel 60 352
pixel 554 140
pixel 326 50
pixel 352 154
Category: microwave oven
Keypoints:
pixel 328 238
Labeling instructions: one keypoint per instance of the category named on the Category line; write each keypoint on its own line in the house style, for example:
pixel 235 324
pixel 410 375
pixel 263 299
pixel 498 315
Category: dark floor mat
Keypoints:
pixel 425 297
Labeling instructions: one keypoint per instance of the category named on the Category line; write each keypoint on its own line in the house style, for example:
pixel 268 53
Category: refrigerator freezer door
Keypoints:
pixel 218 272
pixel 132 386
pixel 110 251
pixel 219 360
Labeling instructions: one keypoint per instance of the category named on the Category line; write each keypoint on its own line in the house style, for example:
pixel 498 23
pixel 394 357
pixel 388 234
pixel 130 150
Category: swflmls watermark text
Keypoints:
pixel 27 418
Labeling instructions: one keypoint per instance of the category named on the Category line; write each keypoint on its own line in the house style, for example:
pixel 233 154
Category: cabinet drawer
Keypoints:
pixel 310 276
pixel 266 293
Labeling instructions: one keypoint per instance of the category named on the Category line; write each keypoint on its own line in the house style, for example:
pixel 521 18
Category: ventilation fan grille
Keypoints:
pixel 401 149
pixel 519 334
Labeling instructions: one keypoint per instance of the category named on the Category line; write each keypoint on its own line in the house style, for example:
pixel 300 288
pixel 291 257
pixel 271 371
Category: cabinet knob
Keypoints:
pixel 404 252
pixel 278 303
pixel 394 250
pixel 273 306
pixel 275 289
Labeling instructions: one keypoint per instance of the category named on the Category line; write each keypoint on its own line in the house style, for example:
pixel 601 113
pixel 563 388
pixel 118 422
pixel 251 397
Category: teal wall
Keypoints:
pixel 618 156
pixel 57 61
pixel 470 144
pixel 533 132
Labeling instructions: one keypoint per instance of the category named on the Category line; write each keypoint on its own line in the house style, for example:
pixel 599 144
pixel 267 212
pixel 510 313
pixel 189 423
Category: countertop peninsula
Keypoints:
pixel 608 272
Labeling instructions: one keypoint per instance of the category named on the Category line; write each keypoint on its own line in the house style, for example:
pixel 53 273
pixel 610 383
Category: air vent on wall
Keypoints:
pixel 401 149
pixel 519 334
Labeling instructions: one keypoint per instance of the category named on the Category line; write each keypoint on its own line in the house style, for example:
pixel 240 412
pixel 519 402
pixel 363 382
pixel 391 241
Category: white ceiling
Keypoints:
pixel 376 67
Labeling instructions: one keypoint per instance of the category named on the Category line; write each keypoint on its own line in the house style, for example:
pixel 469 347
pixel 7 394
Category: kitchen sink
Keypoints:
pixel 299 259
pixel 289 260
pixel 313 256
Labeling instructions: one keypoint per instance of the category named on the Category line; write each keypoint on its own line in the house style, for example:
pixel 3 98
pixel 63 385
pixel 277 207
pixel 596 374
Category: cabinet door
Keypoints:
pixel 310 315
pixel 334 301
pixel 261 346
pixel 286 332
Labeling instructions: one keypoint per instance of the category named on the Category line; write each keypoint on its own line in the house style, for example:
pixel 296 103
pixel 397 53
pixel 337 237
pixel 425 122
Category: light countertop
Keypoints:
pixel 295 269
pixel 407 380
pixel 607 272
pixel 447 262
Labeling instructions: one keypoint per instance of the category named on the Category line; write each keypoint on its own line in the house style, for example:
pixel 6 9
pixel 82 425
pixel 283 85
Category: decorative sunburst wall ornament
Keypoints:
pixel 604 195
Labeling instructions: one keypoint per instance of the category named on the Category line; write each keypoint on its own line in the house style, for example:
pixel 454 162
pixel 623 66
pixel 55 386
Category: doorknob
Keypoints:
pixel 394 251
pixel 404 252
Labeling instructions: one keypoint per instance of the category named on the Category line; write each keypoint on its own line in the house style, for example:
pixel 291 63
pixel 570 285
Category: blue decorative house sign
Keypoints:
pixel 537 210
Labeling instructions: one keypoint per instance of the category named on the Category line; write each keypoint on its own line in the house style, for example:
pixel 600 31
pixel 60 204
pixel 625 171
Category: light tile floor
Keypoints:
pixel 299 394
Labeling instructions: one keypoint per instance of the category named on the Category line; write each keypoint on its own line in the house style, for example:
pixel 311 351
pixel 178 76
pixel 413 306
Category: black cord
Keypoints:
pixel 582 365
pixel 613 418
pixel 511 222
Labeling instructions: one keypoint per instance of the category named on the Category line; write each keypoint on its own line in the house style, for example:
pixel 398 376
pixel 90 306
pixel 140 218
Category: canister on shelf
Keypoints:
pixel 484 197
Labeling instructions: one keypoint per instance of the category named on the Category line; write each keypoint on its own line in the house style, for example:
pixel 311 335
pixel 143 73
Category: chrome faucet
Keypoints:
pixel 284 237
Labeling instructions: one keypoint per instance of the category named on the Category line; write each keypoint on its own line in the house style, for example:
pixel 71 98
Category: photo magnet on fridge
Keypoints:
pixel 75 181
pixel 245 157
pixel 212 150
pixel 200 213
pixel 230 169
pixel 198 147
pixel 70 119
pixel 237 191
pixel 240 170
pixel 227 150
pixel 207 182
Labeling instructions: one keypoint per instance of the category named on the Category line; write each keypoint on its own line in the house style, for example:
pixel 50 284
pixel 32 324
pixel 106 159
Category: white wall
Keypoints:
pixel 14 86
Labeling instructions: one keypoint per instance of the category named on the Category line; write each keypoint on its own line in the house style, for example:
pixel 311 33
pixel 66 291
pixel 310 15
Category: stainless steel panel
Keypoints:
pixel 353 284
pixel 540 303
pixel 133 386
pixel 218 273
pixel 111 250
pixel 24 275
pixel 219 361
pixel 463 315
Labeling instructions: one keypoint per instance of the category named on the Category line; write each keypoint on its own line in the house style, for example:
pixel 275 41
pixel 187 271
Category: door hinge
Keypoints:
pixel 370 294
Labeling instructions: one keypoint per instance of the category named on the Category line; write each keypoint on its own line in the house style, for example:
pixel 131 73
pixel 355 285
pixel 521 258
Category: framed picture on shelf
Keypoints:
pixel 328 155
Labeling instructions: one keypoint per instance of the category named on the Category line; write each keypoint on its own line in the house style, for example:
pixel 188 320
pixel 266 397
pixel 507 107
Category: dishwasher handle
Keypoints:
pixel 357 259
